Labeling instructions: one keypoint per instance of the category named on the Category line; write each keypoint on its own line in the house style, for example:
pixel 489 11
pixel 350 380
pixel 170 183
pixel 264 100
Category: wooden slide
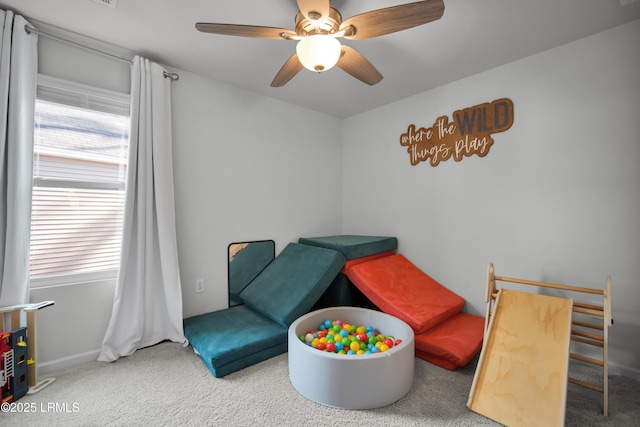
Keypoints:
pixel 521 377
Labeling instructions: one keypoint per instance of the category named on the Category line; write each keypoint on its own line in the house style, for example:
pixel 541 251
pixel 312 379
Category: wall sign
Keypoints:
pixel 468 134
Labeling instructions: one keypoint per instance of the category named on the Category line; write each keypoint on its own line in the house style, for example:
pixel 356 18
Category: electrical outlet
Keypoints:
pixel 199 286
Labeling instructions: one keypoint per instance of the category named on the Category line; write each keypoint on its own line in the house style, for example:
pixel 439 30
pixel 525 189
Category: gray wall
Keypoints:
pixel 246 167
pixel 556 199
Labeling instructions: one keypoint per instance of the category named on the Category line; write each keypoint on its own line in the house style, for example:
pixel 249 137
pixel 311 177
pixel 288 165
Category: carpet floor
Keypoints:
pixel 168 385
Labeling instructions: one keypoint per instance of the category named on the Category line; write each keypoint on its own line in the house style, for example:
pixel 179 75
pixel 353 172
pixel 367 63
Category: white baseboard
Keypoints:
pixel 47 368
pixel 634 374
pixel 614 369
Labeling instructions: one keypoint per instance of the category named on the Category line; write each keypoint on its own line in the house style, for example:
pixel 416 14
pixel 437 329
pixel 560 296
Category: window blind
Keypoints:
pixel 80 160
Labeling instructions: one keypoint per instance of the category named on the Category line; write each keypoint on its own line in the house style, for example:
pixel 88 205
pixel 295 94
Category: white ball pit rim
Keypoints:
pixel 352 381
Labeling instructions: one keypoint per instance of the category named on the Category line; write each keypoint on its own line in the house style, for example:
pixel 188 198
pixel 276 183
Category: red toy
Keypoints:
pixel 6 366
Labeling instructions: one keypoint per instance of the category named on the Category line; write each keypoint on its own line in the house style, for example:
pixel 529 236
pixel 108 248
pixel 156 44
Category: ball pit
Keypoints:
pixel 351 381
pixel 340 337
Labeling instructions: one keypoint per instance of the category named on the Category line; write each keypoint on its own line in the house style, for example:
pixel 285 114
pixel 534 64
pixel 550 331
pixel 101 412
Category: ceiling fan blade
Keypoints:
pixel 245 31
pixel 319 6
pixel 391 19
pixel 352 62
pixel 287 72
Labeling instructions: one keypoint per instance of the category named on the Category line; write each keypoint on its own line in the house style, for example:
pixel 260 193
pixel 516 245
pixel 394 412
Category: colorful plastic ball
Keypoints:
pixel 344 338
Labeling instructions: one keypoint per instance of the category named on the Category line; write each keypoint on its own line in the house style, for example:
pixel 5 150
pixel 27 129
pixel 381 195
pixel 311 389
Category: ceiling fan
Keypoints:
pixel 318 27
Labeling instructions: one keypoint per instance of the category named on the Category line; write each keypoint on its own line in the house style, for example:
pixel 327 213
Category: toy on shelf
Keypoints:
pixel 13 364
pixel 18 352
pixel 6 367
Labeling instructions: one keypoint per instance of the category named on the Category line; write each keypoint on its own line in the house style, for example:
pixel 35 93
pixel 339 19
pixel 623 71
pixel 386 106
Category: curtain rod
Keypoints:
pixel 29 30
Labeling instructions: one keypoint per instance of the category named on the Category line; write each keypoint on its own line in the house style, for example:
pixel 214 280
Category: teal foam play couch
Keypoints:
pixel 240 336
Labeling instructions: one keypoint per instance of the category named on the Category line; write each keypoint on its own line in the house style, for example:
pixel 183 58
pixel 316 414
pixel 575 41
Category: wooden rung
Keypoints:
pixel 586 385
pixel 587 341
pixel 550 285
pixel 588 325
pixel 587 359
pixel 588 335
pixel 589 306
pixel 598 313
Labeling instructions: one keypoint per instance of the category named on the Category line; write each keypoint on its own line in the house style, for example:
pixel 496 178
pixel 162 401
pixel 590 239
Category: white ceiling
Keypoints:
pixel 472 36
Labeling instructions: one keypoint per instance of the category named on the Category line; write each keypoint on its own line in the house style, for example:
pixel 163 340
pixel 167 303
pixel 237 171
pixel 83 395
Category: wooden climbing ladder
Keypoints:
pixel 584 330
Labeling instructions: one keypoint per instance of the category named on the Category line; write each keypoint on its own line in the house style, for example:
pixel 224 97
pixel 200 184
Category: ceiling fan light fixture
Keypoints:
pixel 318 52
pixel 318 25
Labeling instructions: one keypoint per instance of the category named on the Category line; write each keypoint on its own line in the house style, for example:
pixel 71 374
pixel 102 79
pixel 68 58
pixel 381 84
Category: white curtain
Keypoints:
pixel 18 73
pixel 147 307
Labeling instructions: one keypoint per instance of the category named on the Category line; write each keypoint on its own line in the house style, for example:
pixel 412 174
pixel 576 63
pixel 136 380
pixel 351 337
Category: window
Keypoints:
pixel 81 140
